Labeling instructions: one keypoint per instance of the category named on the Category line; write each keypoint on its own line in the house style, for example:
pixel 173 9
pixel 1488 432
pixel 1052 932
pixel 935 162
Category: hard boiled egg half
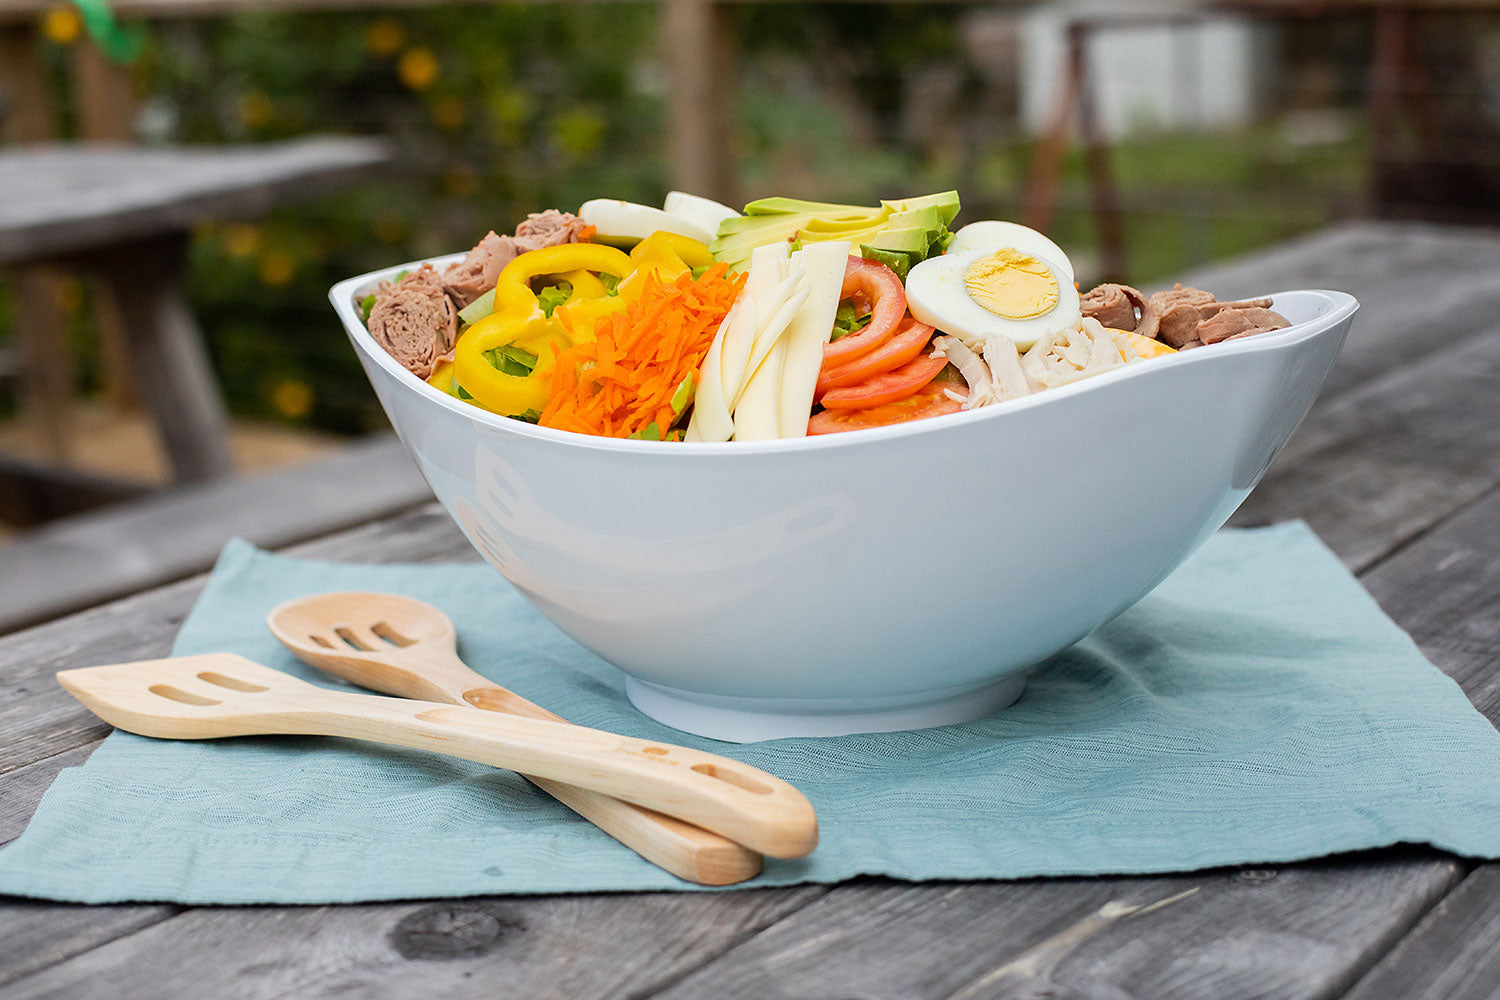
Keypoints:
pixel 1020 289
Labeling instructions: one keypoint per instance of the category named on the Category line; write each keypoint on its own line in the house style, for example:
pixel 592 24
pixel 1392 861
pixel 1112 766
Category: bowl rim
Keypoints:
pixel 342 296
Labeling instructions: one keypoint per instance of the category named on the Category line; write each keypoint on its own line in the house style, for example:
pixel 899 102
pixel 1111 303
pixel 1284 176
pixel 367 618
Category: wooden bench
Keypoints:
pixel 126 214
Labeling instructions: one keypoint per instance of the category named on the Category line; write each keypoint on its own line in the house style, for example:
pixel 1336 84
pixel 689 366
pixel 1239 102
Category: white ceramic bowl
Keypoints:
pixel 893 578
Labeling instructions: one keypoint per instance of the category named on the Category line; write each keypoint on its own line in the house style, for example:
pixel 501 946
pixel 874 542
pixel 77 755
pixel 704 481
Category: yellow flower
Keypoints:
pixel 276 268
pixel 240 239
pixel 61 24
pixel 292 398
pixel 384 36
pixel 418 68
pixel 256 109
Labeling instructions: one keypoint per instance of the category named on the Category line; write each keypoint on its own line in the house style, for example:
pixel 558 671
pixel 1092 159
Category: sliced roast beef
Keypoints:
pixel 414 320
pixel 1113 305
pixel 1235 320
pixel 471 277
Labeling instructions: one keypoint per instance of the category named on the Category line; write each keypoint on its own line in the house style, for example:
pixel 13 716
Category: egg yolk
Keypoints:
pixel 1012 284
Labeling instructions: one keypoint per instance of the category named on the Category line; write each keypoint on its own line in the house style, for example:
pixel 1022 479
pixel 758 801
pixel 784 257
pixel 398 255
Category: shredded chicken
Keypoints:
pixel 1070 355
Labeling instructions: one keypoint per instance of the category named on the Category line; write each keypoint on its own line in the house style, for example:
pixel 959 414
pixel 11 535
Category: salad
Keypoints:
pixel 696 322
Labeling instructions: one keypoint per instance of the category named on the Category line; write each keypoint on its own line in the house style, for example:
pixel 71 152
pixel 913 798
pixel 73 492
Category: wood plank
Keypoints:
pixel 70 199
pixel 35 935
pixel 1421 288
pixel 38 719
pixel 1454 954
pixel 85 560
pixel 1445 590
pixel 1393 457
pixel 1296 931
pixel 580 947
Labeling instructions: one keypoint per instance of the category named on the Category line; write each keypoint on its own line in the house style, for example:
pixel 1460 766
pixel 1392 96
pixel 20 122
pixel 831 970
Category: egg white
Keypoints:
pixel 936 295
pixel 995 234
pixel 612 217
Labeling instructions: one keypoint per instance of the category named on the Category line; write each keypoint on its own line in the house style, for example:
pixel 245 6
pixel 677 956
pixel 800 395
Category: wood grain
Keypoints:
pixel 584 947
pixel 1454 954
pixel 65 200
pixel 1296 931
pixel 1392 458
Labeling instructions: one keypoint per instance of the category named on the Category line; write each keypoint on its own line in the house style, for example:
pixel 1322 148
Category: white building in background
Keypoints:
pixel 1204 73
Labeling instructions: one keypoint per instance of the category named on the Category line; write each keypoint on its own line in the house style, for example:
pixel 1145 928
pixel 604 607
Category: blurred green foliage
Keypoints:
pixel 505 109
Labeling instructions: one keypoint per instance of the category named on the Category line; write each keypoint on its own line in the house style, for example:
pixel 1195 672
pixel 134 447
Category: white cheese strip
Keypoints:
pixel 755 414
pixel 767 270
pixel 771 332
pixel 808 331
pixel 711 420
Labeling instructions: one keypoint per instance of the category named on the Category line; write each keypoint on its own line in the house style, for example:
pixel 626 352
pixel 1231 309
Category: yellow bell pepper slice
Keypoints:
pixel 518 321
pixel 670 255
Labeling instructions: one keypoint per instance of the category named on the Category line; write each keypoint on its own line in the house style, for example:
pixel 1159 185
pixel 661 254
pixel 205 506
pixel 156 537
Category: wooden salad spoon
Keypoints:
pixel 406 647
pixel 221 694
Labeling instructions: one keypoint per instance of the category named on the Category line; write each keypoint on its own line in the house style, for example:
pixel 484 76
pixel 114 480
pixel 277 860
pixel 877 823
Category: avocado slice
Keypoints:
pixel 912 241
pixel 946 202
pixel 796 206
pixel 913 226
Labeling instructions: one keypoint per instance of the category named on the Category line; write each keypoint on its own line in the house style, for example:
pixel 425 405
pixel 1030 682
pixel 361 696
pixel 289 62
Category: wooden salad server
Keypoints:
pixel 221 694
pixel 403 646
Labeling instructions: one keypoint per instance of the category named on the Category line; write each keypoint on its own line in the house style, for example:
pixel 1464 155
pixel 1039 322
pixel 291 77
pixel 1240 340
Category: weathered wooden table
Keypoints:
pixel 1398 468
pixel 127 213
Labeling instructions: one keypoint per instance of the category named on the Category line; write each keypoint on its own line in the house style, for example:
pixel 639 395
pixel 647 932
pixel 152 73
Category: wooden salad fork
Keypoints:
pixel 406 647
pixel 221 694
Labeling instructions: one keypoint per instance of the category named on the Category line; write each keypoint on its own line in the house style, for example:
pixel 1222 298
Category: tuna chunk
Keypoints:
pixel 549 229
pixel 471 277
pixel 414 320
pixel 1113 305
pixel 468 279
pixel 1178 324
pixel 1235 320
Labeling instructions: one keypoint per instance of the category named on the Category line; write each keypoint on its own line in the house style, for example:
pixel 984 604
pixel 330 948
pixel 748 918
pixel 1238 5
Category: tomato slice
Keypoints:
pixel 928 401
pixel 879 286
pixel 886 387
pixel 903 347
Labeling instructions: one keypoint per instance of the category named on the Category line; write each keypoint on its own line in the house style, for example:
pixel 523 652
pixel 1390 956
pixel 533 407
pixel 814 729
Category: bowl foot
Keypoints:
pixel 748 720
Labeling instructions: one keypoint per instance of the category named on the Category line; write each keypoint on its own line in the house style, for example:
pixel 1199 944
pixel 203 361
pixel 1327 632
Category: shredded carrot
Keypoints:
pixel 623 379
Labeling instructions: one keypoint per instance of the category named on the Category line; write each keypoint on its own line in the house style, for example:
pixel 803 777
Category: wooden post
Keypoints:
pixel 46 363
pixel 1046 165
pixel 105 104
pixel 167 357
pixel 699 45
pixel 1106 197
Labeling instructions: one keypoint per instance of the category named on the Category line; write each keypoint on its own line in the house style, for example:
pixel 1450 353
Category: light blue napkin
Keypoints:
pixel 1257 707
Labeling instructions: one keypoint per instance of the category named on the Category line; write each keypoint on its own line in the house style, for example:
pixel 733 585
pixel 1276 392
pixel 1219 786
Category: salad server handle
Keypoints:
pixel 737 801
